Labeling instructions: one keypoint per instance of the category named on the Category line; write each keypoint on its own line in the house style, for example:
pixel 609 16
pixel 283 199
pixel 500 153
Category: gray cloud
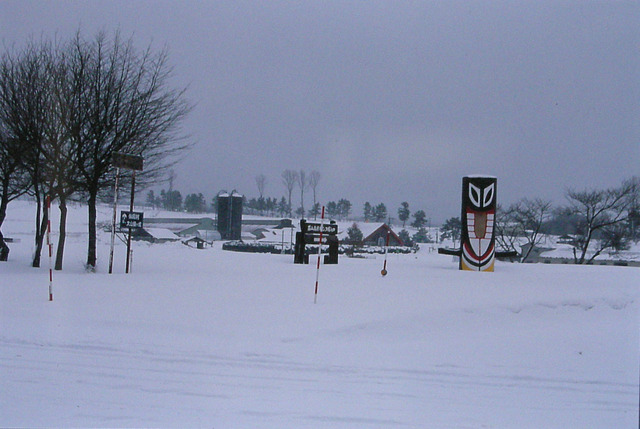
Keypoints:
pixel 390 101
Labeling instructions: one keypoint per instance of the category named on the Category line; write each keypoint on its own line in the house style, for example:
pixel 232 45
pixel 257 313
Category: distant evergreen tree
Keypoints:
pixel 403 213
pixel 343 208
pixel 422 236
pixel 405 237
pixel 380 213
pixel 420 219
pixel 368 212
pixel 451 229
pixel 194 203
pixel 314 211
pixel 332 209
pixel 172 201
pixel 354 234
pixel 261 204
pixel 151 199
pixel 271 206
pixel 283 207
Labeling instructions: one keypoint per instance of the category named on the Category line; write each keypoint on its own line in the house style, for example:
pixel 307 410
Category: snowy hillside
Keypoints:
pixel 207 338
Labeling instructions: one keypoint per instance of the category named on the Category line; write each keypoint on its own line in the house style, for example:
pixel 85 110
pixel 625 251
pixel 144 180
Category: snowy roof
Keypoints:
pixel 233 194
pixel 161 233
pixel 367 228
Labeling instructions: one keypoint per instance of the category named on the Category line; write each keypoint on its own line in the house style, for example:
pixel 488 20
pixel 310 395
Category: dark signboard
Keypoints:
pixel 126 161
pixel 327 228
pixel 131 219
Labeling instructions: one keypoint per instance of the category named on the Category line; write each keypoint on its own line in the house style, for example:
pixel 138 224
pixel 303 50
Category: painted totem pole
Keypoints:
pixel 477 240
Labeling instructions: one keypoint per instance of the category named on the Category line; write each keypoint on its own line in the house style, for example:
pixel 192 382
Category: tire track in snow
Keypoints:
pixel 244 385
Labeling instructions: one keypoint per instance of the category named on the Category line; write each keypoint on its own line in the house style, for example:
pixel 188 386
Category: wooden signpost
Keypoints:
pixel 128 162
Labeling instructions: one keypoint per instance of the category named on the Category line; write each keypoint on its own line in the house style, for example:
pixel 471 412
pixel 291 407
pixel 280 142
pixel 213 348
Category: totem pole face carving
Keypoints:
pixel 478 218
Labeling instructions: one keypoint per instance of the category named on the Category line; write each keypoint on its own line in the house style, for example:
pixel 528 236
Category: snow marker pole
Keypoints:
pixel 49 245
pixel 315 297
pixel 386 250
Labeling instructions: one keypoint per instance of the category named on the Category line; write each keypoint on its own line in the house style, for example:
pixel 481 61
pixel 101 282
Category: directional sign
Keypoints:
pixel 328 228
pixel 131 219
pixel 126 161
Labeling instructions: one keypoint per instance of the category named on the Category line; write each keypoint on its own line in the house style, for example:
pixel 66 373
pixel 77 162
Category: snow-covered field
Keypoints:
pixel 206 338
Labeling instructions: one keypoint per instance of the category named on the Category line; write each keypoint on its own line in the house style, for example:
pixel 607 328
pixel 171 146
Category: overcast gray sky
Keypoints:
pixel 390 101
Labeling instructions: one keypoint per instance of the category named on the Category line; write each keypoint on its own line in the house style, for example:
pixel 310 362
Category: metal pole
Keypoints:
pixel 133 191
pixel 113 221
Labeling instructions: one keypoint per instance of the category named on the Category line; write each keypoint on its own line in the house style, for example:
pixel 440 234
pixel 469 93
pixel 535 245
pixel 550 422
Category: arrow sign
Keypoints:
pixel 131 219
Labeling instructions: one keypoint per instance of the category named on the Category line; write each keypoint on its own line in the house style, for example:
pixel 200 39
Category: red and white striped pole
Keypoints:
pixel 315 297
pixel 386 250
pixel 49 245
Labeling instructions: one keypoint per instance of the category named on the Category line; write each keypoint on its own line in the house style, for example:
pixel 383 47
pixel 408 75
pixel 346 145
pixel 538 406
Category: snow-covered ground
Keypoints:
pixel 207 338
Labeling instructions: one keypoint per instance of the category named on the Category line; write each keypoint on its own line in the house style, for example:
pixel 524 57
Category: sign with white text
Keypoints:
pixel 131 219
pixel 328 228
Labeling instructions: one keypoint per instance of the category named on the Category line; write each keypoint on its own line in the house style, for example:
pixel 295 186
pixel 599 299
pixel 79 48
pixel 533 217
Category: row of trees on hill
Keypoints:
pixel 592 221
pixel 291 179
pixel 66 108
pixel 610 218
pixel 172 201
pixel 341 209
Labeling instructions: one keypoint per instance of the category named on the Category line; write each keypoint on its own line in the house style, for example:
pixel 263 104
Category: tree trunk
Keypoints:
pixel 63 234
pixel 91 253
pixel 4 249
pixel 41 229
pixel 583 254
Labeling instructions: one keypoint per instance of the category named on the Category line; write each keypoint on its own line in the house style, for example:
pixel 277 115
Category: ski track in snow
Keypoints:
pixel 118 376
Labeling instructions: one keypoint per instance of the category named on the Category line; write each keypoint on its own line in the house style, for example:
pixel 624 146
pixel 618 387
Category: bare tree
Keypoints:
pixel 289 179
pixel 72 107
pixel 633 218
pixel 520 222
pixel 13 179
pixel 506 231
pixel 24 105
pixel 314 179
pixel 598 209
pixel 61 153
pixel 261 183
pixel 303 183
pixel 124 104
